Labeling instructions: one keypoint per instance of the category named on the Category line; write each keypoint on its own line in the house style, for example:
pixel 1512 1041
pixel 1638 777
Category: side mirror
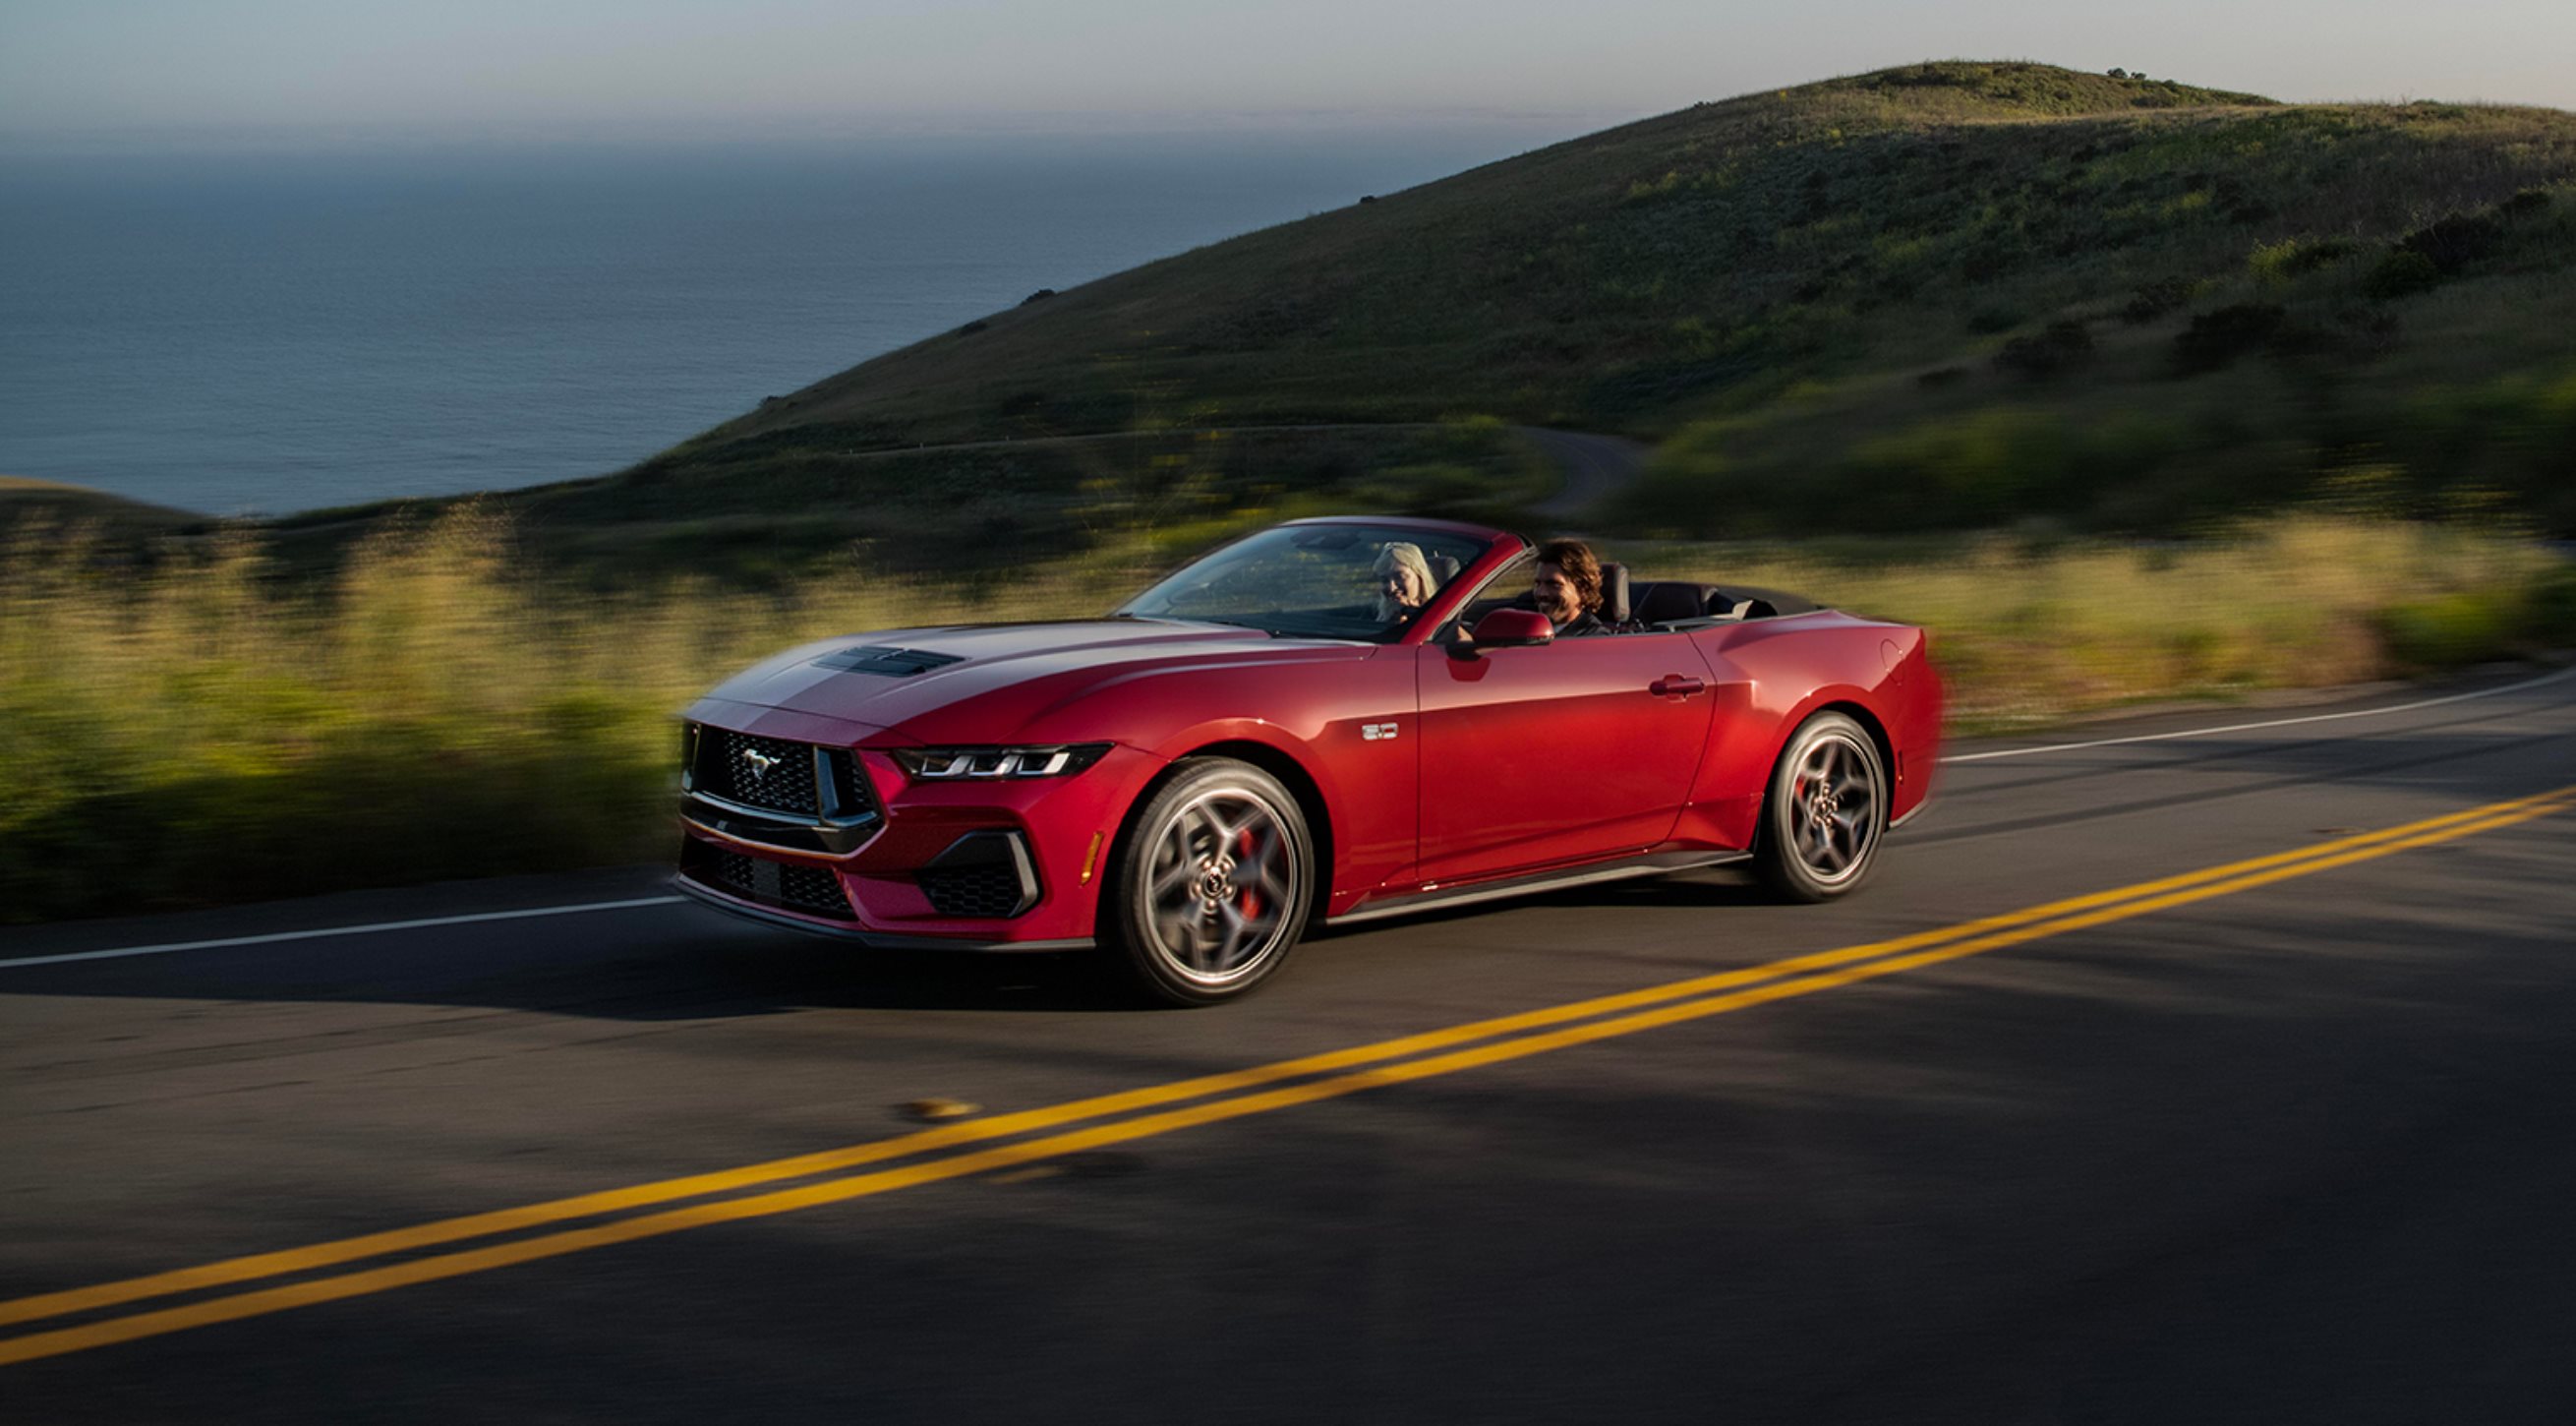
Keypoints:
pixel 1513 628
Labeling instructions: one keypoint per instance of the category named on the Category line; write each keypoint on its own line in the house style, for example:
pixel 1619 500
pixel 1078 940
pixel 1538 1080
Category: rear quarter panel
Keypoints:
pixel 1773 674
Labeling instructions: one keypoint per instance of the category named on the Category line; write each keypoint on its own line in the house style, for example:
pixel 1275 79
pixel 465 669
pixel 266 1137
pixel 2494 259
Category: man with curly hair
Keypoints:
pixel 1566 587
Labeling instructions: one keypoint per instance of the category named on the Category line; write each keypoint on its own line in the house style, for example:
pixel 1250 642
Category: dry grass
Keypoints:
pixel 194 732
pixel 2311 601
pixel 197 733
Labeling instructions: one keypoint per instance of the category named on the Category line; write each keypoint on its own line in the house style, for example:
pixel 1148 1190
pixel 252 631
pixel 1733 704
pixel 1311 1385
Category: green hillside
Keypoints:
pixel 2007 305
pixel 1955 293
pixel 30 504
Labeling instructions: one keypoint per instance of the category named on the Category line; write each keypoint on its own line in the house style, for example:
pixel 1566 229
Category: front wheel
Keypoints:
pixel 1212 884
pixel 1825 811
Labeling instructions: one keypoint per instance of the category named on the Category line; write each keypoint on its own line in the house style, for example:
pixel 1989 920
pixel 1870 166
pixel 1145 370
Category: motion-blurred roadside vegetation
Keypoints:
pixel 199 729
pixel 2129 390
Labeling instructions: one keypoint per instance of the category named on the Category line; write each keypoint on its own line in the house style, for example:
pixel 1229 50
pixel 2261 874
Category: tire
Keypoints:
pixel 1824 813
pixel 1211 885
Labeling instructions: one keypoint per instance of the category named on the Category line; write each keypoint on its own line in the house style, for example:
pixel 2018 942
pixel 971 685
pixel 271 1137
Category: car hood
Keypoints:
pixel 991 683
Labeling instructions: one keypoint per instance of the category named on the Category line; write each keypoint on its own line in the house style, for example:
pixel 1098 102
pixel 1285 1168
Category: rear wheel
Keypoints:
pixel 1212 884
pixel 1825 811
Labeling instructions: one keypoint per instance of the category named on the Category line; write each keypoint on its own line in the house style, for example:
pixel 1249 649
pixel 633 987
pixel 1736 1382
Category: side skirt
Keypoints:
pixel 1651 864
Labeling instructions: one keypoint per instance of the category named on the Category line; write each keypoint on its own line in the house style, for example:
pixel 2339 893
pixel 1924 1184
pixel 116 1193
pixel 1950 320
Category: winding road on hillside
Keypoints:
pixel 1595 468
pixel 2205 1068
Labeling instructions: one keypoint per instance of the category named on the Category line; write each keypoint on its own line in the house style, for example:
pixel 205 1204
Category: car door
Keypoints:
pixel 1573 750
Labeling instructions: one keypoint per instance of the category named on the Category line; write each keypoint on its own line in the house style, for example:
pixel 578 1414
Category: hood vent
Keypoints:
pixel 894 663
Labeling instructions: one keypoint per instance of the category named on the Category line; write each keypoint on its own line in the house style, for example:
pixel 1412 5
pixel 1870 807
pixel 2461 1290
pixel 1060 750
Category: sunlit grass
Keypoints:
pixel 200 734
pixel 194 731
pixel 2026 637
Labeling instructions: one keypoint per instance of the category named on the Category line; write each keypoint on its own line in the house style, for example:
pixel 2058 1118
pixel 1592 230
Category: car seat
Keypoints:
pixel 1667 601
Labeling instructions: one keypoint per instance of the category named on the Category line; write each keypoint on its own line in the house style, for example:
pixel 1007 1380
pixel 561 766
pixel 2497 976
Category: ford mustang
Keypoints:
pixel 1277 737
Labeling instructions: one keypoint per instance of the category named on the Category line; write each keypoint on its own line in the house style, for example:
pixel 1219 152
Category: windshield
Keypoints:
pixel 1315 581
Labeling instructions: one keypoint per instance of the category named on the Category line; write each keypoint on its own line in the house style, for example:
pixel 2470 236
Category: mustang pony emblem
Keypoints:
pixel 760 763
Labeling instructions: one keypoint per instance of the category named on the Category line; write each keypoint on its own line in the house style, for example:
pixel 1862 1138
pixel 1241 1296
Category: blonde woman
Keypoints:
pixel 1404 581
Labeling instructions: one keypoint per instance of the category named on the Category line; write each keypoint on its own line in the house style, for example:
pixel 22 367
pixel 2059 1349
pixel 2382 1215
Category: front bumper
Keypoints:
pixel 989 865
pixel 842 931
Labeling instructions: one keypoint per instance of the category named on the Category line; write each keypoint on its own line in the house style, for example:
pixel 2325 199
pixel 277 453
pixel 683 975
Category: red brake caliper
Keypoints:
pixel 1251 902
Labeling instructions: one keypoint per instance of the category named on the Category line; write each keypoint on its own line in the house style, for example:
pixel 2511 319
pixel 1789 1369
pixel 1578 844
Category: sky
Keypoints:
pixel 148 72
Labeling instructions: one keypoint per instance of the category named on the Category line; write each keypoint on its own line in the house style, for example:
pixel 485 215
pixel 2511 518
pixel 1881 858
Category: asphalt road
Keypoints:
pixel 2289 1142
pixel 1595 467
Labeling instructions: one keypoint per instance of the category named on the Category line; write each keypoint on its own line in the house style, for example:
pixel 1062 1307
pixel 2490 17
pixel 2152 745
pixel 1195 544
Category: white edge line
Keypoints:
pixel 2267 723
pixel 7 963
pixel 166 948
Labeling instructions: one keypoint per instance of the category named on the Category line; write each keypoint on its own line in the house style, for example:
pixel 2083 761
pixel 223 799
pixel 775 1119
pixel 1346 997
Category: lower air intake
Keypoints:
pixel 788 886
pixel 984 875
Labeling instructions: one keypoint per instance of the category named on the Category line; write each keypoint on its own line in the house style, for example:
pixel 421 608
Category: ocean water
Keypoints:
pixel 265 334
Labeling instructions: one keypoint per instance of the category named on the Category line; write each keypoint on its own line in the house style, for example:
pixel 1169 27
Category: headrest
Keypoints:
pixel 1665 601
pixel 1443 570
pixel 1614 593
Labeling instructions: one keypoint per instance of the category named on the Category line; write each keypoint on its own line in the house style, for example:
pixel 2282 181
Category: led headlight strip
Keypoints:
pixel 951 764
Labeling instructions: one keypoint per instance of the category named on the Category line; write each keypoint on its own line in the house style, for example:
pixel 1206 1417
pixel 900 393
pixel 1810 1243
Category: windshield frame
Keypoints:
pixel 1499 545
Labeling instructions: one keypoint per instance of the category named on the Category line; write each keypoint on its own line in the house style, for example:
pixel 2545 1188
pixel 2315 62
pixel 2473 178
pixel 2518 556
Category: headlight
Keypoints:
pixel 951 764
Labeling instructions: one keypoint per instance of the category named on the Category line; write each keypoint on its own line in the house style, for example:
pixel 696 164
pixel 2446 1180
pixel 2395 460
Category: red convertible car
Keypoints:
pixel 1269 739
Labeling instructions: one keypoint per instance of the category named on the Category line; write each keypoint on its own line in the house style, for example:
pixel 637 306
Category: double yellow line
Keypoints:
pixel 427 1252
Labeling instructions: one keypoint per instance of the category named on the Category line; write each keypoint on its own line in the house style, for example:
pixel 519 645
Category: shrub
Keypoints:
pixel 1986 261
pixel 2449 630
pixel 2155 300
pixel 2402 272
pixel 2551 617
pixel 2289 258
pixel 2215 339
pixel 2059 348
pixel 1987 466
pixel 2456 241
pixel 2238 205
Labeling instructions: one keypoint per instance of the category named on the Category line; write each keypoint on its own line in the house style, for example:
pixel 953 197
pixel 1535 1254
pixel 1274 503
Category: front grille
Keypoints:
pixel 769 773
pixel 988 892
pixel 776 775
pixel 787 885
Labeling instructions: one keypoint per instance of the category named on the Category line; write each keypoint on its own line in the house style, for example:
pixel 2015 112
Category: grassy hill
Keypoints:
pixel 29 504
pixel 1999 298
pixel 1949 294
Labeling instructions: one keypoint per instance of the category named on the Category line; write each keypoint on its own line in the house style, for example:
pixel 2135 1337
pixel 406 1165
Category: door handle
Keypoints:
pixel 1677 685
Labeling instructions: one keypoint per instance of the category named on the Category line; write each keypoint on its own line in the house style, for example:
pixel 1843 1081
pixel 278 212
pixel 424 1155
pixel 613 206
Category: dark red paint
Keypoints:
pixel 1501 761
